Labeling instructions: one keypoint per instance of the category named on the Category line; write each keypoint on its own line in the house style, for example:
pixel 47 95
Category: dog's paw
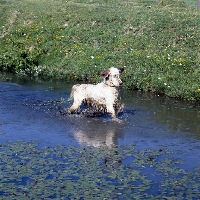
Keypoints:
pixel 69 111
pixel 117 120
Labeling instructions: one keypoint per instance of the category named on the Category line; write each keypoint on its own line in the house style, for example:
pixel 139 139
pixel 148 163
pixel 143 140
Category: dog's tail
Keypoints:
pixel 74 88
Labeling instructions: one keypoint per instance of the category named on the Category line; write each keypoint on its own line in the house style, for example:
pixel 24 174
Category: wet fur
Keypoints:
pixel 98 109
pixel 102 97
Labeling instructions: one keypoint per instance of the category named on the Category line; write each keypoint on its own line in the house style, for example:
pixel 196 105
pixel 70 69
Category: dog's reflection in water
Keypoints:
pixel 95 133
pixel 99 135
pixel 104 139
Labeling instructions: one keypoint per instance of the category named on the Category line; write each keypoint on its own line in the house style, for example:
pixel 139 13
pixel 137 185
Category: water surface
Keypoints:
pixel 33 111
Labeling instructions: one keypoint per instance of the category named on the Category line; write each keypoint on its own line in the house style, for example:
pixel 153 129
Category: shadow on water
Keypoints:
pixel 34 111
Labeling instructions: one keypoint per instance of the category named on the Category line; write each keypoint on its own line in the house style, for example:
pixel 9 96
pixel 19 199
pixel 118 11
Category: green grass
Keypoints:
pixel 191 2
pixel 75 40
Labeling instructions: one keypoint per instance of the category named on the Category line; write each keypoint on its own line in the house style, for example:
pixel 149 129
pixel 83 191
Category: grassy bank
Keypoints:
pixel 157 41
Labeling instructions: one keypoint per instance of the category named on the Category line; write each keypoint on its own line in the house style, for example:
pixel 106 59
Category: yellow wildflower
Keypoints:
pixel 180 60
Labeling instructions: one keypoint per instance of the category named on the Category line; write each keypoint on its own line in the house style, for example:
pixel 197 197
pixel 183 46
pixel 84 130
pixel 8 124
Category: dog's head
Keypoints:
pixel 111 76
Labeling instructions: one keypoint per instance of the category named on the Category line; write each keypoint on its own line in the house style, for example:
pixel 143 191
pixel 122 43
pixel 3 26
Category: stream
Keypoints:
pixel 32 111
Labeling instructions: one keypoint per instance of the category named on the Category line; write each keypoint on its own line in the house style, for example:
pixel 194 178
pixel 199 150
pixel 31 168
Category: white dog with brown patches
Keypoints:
pixel 102 96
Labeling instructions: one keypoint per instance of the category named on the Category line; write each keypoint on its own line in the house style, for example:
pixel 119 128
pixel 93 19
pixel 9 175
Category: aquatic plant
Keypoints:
pixel 61 172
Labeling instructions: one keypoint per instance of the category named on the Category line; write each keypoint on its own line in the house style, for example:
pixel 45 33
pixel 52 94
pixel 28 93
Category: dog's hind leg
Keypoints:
pixel 75 106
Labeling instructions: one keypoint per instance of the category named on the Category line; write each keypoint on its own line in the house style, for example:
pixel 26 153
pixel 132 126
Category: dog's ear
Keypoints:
pixel 105 73
pixel 121 69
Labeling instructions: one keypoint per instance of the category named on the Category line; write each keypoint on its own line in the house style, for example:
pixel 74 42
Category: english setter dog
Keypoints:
pixel 102 97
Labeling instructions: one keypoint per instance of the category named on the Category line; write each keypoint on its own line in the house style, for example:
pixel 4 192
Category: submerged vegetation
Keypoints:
pixel 157 41
pixel 29 172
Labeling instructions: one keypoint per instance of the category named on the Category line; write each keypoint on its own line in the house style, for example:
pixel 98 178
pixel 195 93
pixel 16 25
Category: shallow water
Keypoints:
pixel 33 111
pixel 157 143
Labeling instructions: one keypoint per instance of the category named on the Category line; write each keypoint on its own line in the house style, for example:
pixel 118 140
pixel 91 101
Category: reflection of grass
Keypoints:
pixel 75 40
pixel 28 172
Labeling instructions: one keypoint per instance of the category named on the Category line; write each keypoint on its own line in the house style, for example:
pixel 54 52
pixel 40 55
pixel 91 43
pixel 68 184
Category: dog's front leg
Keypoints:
pixel 111 110
pixel 119 107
